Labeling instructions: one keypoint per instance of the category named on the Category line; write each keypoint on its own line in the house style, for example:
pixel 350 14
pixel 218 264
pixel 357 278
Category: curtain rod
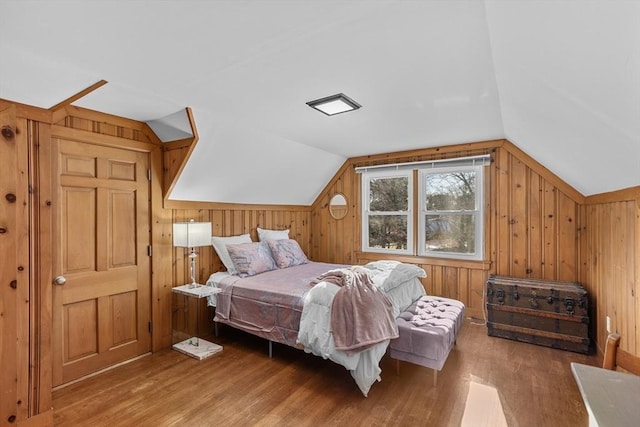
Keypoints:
pixel 470 159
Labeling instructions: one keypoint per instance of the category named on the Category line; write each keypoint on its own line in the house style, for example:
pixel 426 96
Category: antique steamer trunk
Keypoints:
pixel 549 313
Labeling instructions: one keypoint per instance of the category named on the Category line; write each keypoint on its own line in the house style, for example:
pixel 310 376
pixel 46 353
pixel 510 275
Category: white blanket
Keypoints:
pixel 400 283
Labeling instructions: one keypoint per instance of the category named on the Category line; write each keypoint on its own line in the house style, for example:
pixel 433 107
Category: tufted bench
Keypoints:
pixel 427 332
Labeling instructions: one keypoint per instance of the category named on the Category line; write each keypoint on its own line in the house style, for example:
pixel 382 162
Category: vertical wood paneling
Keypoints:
pixel 550 232
pixel 41 262
pixel 530 223
pixel 502 202
pixel 598 243
pixel 534 215
pixel 14 268
pixel 567 238
pixel 610 241
pixel 234 221
pixel 518 219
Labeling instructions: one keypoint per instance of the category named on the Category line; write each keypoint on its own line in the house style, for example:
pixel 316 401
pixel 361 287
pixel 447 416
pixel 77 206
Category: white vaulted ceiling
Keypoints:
pixel 560 79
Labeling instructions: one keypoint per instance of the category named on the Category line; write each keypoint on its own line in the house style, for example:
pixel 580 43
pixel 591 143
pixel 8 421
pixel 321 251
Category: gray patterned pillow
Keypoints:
pixel 250 259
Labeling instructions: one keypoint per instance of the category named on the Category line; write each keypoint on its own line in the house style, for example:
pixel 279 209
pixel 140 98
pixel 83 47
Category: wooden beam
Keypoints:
pixel 622 195
pixel 404 156
pixel 178 143
pixel 27 111
pixel 171 182
pixel 195 205
pixel 78 95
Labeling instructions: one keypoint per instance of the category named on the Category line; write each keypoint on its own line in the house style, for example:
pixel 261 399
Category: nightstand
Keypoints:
pixel 193 346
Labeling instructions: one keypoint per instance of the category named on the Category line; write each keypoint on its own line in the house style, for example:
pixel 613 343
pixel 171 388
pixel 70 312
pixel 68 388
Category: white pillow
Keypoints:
pixel 264 235
pixel 220 245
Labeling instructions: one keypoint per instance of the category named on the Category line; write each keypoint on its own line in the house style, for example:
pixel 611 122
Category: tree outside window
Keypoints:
pixel 448 208
pixel 450 200
pixel 387 213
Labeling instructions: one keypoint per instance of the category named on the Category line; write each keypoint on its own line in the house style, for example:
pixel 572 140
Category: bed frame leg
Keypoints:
pixel 398 367
pixel 215 328
pixel 270 349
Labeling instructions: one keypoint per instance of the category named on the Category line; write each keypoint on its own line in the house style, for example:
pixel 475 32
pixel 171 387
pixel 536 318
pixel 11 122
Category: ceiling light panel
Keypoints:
pixel 334 104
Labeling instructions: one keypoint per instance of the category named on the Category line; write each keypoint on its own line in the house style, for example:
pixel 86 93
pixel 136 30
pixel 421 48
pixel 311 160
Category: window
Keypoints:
pixel 448 208
pixel 387 212
pixel 450 215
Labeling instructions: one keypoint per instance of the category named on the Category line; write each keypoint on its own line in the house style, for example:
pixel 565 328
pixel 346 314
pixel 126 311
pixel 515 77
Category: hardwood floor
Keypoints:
pixel 242 386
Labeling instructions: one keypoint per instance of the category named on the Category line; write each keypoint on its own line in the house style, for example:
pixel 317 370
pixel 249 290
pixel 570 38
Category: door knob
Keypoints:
pixel 60 280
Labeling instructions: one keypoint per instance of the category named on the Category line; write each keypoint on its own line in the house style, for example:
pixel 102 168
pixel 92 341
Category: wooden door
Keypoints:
pixel 101 314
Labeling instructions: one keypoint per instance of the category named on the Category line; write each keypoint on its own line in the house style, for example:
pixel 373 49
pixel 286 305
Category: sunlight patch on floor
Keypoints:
pixel 483 407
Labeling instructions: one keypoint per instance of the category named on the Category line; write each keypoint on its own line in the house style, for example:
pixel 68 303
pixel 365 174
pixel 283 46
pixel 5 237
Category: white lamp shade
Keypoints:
pixel 191 234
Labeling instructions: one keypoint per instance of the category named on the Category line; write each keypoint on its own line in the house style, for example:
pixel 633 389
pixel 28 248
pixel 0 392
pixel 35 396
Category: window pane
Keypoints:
pixel 388 232
pixel 388 194
pixel 450 191
pixel 450 233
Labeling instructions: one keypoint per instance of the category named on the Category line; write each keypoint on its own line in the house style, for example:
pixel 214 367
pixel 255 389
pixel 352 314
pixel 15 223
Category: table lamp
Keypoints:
pixel 192 235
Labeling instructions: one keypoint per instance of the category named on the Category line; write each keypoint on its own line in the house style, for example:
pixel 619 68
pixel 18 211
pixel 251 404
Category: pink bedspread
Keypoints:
pixel 268 304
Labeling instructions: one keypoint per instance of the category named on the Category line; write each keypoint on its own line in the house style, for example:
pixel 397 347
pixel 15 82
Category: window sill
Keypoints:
pixel 412 259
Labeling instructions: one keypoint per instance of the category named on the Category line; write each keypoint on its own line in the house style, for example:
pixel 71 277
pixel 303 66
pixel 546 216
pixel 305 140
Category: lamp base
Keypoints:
pixel 197 348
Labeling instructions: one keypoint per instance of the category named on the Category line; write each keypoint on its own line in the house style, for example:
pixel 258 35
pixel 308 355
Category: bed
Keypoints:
pixel 288 305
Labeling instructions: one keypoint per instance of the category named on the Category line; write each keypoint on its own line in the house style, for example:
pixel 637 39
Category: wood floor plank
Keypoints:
pixel 242 386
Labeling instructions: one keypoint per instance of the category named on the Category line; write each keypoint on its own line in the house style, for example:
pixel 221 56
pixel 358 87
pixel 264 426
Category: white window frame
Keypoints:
pixel 477 213
pixel 367 176
pixel 476 163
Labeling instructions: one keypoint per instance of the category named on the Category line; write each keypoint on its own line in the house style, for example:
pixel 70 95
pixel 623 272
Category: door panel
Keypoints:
pixel 78 219
pixel 101 314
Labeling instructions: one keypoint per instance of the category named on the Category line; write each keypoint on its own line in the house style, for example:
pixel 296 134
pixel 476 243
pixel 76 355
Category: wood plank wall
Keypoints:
pixel 231 220
pixel 536 226
pixel 531 223
pixel 15 267
pixel 610 267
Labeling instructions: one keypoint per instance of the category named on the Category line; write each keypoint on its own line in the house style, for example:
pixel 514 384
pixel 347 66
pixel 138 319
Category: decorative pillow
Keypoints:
pixel 251 258
pixel 264 234
pixel 287 253
pixel 220 245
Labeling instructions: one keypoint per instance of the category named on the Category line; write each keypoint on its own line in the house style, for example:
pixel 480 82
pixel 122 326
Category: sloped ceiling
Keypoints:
pixel 559 79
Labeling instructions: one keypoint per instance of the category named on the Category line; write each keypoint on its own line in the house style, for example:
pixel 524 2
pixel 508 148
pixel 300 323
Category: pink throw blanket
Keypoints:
pixel 361 314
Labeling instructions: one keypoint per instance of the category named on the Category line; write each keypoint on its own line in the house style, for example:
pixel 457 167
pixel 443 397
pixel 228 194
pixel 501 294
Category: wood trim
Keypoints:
pixel 27 111
pixel 444 150
pixel 43 419
pixel 191 205
pixel 574 194
pixel 161 265
pixel 636 350
pixel 24 265
pixel 42 249
pixel 410 259
pixel 185 159
pixel 178 143
pixel 78 95
pixel 99 139
pixel 85 113
pixel 626 194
